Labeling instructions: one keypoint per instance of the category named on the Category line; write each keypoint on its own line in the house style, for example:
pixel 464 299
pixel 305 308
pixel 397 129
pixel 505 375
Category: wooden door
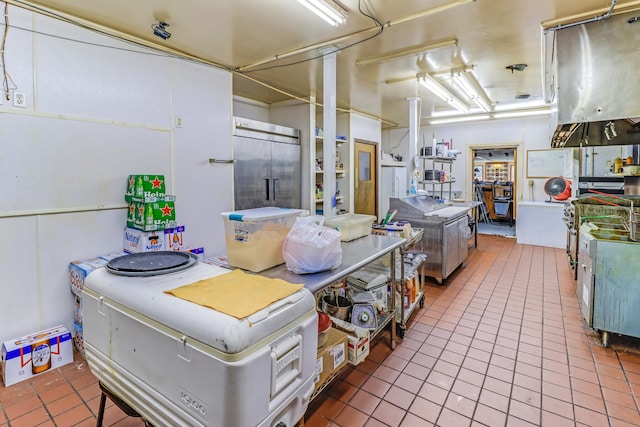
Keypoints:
pixel 366 182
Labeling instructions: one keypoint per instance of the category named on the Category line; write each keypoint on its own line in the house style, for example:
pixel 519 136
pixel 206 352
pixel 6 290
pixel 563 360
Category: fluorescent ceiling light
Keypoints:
pixel 463 81
pixel 327 10
pixel 406 52
pixel 519 105
pixel 459 119
pixel 522 113
pixel 434 86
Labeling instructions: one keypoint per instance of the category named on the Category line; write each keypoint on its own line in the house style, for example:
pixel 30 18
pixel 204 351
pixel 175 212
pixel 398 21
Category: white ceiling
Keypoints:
pixel 490 34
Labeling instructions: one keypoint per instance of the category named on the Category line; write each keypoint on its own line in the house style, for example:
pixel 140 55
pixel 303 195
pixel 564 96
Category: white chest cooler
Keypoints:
pixel 179 363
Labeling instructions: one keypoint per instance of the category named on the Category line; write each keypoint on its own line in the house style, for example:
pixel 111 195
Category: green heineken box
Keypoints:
pixel 151 216
pixel 145 188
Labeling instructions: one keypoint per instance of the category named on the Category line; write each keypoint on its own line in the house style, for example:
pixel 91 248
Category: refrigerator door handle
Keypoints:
pixel 275 180
pixel 266 187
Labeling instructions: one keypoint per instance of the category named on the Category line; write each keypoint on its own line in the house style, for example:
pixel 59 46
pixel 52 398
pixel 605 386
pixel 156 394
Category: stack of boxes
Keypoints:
pixel 151 226
pixel 151 212
pixel 78 272
pixel 151 219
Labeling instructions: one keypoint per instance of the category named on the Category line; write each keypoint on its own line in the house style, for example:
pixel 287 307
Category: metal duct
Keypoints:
pixel 598 64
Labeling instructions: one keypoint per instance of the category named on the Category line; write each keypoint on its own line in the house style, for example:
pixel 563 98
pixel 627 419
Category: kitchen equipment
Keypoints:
pixel 558 188
pixel 266 165
pixel 179 363
pixel 336 306
pixel 607 275
pixel 446 232
pixel 324 324
pixel 364 316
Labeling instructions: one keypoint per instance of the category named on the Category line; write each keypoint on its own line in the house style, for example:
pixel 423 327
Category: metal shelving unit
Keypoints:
pixel 437 186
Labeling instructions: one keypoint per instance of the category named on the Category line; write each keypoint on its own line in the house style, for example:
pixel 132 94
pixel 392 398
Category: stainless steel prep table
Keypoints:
pixel 473 205
pixel 355 255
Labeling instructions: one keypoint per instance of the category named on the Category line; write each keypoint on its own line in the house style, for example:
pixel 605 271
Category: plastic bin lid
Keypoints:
pixel 258 214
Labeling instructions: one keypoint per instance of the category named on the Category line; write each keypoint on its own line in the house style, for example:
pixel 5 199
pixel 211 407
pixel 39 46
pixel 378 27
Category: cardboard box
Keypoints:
pixel 31 355
pixel 358 340
pixel 151 216
pixel 113 255
pixel 78 339
pixel 174 238
pixel 145 188
pixel 331 357
pixel 143 241
pixel 199 252
pixel 80 269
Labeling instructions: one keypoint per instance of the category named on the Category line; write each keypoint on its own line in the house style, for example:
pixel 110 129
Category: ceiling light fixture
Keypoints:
pixel 459 119
pixel 414 50
pixel 464 82
pixel 484 116
pixel 434 86
pixel 522 113
pixel 328 10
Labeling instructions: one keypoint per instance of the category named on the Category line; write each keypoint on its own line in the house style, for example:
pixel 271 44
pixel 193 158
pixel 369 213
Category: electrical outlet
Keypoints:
pixel 178 122
pixel 19 99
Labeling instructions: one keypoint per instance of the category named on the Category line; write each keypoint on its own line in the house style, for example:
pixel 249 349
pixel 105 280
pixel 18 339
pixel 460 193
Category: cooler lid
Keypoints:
pixel 143 297
pixel 258 214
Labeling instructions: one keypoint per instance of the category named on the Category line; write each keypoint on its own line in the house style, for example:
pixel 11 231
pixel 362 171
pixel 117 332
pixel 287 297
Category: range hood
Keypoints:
pixel 597 91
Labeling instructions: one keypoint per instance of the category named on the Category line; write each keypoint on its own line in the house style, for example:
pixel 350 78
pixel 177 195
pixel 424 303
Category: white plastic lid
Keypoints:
pixel 261 214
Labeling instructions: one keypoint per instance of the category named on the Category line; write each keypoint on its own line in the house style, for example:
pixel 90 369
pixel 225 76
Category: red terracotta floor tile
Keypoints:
pixel 502 343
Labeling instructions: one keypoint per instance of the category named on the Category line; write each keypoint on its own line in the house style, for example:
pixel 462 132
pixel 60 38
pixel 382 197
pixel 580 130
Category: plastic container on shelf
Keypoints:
pixel 254 237
pixel 351 226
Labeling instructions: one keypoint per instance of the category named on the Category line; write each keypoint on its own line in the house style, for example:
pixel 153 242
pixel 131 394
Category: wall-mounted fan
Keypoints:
pixel 558 188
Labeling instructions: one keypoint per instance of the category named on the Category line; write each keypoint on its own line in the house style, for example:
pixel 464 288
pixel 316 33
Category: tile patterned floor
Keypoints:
pixel 501 344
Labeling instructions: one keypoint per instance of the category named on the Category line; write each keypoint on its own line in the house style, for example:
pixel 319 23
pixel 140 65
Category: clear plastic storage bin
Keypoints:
pixel 352 226
pixel 254 237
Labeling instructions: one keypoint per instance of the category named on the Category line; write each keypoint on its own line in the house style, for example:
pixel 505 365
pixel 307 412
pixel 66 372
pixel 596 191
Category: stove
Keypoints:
pixel 179 363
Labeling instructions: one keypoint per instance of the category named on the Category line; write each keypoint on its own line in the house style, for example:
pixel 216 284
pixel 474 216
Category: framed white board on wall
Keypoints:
pixel 549 163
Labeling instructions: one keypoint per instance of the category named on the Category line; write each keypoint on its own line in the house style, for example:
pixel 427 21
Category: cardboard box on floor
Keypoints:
pixel 332 357
pixel 31 355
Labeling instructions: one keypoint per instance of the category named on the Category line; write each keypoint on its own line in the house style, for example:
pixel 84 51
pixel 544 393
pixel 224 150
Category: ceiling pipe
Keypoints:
pixel 586 21
pixel 402 20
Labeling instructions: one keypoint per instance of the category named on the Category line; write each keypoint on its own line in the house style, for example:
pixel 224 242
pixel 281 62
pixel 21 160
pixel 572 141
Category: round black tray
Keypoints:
pixel 151 263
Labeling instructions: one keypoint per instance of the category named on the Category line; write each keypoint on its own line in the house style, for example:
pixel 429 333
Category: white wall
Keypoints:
pixel 97 110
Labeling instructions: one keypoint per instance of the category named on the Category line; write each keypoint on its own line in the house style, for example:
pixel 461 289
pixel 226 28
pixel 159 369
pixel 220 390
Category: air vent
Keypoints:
pixel 523 96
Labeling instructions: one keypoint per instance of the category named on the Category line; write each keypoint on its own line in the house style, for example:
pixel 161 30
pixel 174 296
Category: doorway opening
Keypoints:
pixel 494 185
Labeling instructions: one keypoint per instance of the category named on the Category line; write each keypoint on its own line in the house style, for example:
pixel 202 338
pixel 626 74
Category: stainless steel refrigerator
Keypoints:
pixel 266 165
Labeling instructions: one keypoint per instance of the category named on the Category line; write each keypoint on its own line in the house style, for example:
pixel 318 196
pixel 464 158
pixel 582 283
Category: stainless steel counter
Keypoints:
pixel 355 255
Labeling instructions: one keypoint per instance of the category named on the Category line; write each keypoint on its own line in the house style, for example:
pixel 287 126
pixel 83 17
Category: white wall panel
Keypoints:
pixel 95 115
pixel 49 163
pixel 66 238
pixel 202 101
pixel 20 300
pixel 97 76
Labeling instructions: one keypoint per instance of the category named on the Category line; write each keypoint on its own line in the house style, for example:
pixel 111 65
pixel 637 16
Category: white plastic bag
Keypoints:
pixel 311 247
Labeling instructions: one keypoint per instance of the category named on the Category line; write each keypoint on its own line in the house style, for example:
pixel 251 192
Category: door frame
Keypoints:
pixel 518 162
